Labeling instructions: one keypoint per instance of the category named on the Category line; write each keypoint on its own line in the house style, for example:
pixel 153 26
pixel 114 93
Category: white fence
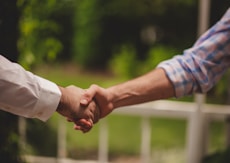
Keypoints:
pixel 198 116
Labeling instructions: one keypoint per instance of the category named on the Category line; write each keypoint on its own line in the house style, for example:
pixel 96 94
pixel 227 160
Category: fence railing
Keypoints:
pixel 198 116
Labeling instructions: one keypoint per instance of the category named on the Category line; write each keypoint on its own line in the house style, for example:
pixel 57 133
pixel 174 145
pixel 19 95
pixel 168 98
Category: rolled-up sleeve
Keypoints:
pixel 25 94
pixel 201 66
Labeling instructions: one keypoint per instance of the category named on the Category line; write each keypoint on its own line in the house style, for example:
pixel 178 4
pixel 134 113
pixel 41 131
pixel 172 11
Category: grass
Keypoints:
pixel 124 131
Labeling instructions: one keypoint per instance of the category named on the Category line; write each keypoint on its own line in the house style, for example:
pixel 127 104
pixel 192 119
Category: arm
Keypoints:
pixel 197 70
pixel 25 94
pixel 152 86
pixel 201 66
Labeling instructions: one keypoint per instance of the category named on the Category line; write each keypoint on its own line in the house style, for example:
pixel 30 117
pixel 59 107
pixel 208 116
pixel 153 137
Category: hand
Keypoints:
pixel 101 96
pixel 83 116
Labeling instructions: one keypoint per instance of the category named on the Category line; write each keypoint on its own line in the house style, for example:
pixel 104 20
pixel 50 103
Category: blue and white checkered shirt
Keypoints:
pixel 201 66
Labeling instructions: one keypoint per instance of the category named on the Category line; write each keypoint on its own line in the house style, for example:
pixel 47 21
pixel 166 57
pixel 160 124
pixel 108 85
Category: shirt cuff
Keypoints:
pixel 48 100
pixel 175 77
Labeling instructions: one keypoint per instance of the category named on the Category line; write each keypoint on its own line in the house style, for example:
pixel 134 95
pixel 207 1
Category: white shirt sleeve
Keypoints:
pixel 25 94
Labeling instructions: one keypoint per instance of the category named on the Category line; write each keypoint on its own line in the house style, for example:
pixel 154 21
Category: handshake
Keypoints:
pixel 81 107
pixel 86 107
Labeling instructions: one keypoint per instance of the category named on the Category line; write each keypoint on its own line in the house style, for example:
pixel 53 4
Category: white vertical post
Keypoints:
pixel 22 133
pixel 203 19
pixel 203 25
pixel 61 139
pixel 196 145
pixel 103 142
pixel 197 123
pixel 146 140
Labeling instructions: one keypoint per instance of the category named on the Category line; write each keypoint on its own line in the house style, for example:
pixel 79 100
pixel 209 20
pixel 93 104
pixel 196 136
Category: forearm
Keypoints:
pixel 152 86
pixel 64 102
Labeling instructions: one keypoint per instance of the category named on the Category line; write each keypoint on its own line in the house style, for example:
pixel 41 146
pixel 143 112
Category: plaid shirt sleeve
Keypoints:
pixel 201 66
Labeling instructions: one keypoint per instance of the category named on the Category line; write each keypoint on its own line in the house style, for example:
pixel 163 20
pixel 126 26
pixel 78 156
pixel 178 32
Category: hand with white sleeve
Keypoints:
pixel 83 116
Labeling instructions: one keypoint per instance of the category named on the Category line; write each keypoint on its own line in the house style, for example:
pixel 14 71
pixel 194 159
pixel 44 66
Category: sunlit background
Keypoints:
pixel 82 42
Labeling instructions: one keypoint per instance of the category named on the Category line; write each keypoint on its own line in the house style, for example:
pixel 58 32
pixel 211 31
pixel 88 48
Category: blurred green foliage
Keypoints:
pixel 9 147
pixel 41 138
pixel 131 36
pixel 42 30
pixel 218 157
pixel 86 33
pixel 108 26
pixel 93 32
pixel 128 36
pixel 125 63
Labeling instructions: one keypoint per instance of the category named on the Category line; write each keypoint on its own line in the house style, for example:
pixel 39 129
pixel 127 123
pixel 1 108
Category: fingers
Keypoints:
pixel 97 114
pixel 89 94
pixel 84 111
pixel 83 125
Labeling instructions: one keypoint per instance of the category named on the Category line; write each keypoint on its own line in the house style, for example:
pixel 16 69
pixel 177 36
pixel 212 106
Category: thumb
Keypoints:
pixel 89 94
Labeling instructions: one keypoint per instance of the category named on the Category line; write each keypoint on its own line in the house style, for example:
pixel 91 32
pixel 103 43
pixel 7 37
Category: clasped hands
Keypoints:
pixel 81 107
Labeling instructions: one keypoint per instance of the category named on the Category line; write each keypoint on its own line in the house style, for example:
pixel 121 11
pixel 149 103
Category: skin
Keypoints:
pixel 152 86
pixel 84 116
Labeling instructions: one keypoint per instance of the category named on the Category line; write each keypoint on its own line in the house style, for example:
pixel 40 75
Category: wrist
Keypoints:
pixel 60 106
pixel 114 97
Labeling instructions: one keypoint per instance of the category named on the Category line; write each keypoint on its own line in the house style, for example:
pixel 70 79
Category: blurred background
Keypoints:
pixel 82 42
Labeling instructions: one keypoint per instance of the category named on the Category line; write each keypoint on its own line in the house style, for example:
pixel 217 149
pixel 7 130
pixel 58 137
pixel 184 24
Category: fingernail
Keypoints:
pixel 84 101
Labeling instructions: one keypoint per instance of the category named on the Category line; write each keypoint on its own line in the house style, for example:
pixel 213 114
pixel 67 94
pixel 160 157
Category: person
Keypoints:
pixel 25 94
pixel 197 70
